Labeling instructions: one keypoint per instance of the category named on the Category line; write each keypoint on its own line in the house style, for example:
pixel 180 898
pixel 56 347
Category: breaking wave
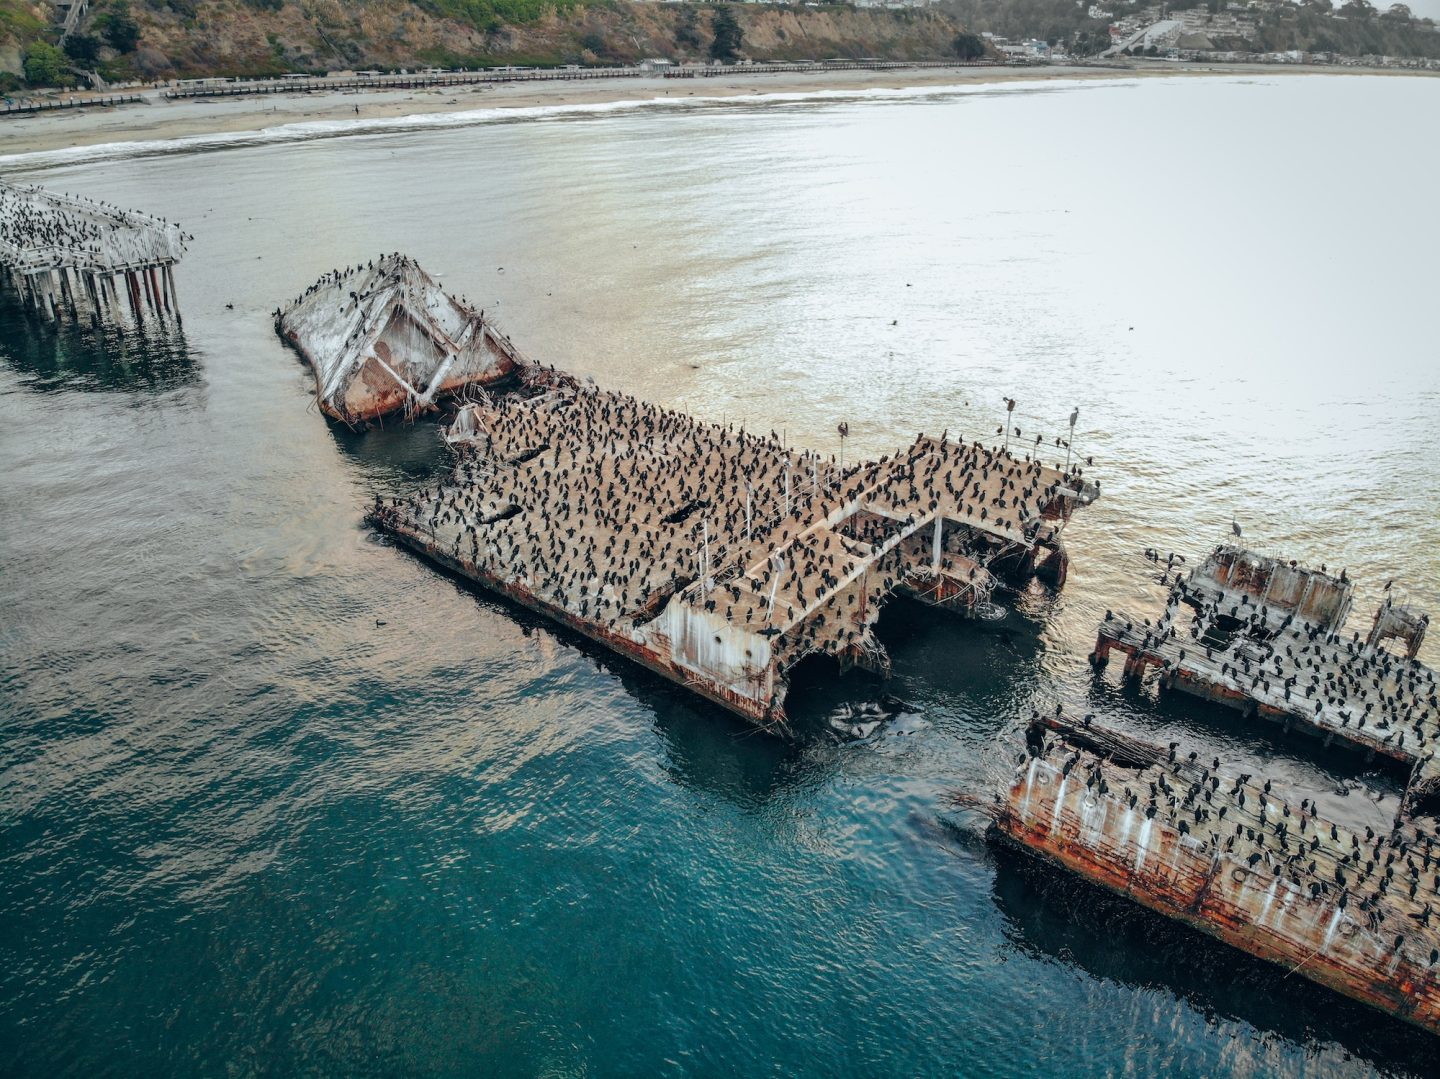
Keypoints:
pixel 306 130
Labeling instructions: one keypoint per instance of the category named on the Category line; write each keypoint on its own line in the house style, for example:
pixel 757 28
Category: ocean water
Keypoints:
pixel 246 829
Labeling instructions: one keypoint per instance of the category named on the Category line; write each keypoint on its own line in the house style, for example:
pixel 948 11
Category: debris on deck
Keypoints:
pixel 1397 622
pixel 1248 645
pixel 384 337
pixel 70 256
pixel 716 556
pixel 1247 863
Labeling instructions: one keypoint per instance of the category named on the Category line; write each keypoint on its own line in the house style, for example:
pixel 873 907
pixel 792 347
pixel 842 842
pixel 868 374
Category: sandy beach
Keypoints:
pixel 159 119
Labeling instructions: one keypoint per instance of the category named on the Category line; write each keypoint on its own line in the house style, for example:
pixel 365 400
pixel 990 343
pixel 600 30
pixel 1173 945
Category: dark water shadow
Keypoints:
pixel 709 750
pixel 908 626
pixel 1054 915
pixel 69 355
pixel 707 746
pixel 943 660
pixel 393 455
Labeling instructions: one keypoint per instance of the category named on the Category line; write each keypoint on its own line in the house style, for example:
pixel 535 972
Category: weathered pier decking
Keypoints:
pixel 1262 656
pixel 67 256
pixel 384 337
pixel 716 556
pixel 32 106
pixel 1247 863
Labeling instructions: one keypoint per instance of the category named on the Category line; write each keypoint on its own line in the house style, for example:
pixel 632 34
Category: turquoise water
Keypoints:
pixel 245 829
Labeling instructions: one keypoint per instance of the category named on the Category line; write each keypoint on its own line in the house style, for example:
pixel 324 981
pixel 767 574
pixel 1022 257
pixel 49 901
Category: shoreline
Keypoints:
pixel 159 120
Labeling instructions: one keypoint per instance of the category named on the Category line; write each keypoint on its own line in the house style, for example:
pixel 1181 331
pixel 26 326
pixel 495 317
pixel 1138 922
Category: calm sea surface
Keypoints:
pixel 244 829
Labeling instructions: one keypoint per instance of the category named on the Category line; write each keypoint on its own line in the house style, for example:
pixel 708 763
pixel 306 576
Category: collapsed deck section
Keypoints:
pixel 384 338
pixel 1246 863
pixel 1277 665
pixel 719 556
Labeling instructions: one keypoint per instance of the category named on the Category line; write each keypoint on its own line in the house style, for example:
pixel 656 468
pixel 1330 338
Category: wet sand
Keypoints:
pixel 159 119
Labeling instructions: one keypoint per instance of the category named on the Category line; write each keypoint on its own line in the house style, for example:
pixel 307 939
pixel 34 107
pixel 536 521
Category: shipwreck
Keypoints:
pixel 1267 637
pixel 1355 909
pixel 384 338
pixel 718 557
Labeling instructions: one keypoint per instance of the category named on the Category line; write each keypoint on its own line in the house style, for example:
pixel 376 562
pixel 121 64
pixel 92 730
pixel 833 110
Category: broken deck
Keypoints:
pixel 717 556
pixel 384 337
pixel 1224 646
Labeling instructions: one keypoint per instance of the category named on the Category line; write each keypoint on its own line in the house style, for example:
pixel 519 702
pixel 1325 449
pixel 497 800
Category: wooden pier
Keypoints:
pixel 1245 862
pixel 717 556
pixel 70 257
pixel 1262 656
pixel 711 71
pixel 32 106
pixel 490 76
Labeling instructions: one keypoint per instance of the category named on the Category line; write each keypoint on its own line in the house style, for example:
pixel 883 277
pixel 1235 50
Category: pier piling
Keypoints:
pixel 62 254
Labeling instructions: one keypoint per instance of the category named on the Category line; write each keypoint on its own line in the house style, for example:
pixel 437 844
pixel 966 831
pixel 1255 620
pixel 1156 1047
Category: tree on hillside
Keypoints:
pixel 121 31
pixel 687 34
pixel 728 36
pixel 968 46
pixel 1358 10
pixel 44 64
pixel 83 49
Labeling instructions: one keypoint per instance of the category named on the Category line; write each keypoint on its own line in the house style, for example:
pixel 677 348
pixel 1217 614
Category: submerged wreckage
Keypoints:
pixel 1356 909
pixel 384 337
pixel 1250 864
pixel 722 559
pixel 715 556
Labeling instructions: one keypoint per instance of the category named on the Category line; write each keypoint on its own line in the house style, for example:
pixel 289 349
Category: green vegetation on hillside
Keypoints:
pixel 489 15
pixel 969 46
pixel 45 65
pixel 1360 30
pixel 18 22
pixel 162 39
pixel 118 26
pixel 728 37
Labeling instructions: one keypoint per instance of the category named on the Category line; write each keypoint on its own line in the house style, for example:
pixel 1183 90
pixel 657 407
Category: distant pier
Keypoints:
pixel 32 106
pixel 71 257
pixel 421 80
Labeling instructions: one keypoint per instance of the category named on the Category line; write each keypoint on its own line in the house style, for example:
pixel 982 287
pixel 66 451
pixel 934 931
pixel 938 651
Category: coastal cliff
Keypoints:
pixel 186 38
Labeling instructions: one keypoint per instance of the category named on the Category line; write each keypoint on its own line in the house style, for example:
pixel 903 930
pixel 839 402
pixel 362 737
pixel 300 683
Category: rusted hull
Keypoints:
pixel 1147 859
pixel 770 719
pixel 385 399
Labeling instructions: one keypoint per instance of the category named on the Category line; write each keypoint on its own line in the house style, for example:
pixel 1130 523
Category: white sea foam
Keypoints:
pixel 305 130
